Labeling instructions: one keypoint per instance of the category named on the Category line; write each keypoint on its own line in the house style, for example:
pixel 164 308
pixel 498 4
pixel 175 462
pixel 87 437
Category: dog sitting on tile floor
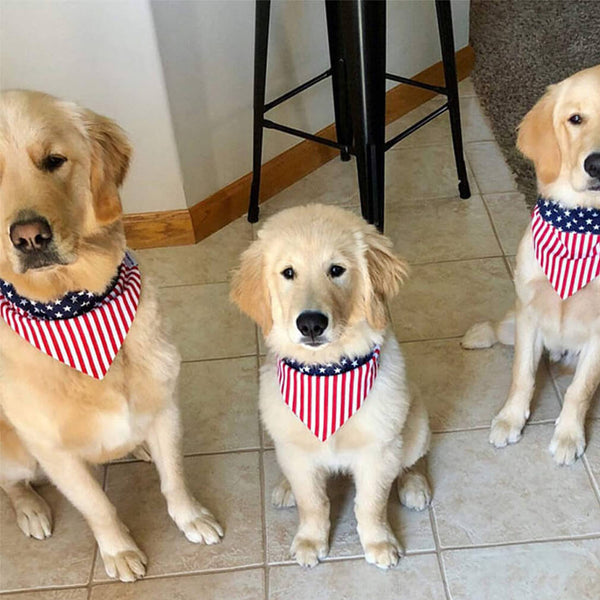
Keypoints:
pixel 333 390
pixel 557 279
pixel 86 372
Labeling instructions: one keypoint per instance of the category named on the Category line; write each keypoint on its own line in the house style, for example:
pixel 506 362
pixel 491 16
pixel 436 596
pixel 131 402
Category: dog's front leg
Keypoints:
pixel 122 558
pixel 509 422
pixel 308 482
pixel 568 442
pixel 196 522
pixel 374 474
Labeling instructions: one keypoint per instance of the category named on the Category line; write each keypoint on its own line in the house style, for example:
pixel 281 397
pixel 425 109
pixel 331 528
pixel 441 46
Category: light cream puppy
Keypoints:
pixel 561 135
pixel 317 281
pixel 61 231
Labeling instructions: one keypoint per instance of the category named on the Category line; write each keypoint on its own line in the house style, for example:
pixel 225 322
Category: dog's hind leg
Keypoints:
pixel 17 469
pixel 486 334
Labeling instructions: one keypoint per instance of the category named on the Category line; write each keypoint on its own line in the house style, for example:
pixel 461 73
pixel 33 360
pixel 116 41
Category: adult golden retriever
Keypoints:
pixel 317 280
pixel 561 135
pixel 61 231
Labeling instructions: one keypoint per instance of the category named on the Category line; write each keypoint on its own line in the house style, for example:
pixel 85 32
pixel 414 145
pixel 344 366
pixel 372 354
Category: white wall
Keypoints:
pixel 177 75
pixel 102 54
pixel 207 55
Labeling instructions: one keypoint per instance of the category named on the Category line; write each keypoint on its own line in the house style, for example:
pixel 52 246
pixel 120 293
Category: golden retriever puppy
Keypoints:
pixel 333 392
pixel 86 372
pixel 557 279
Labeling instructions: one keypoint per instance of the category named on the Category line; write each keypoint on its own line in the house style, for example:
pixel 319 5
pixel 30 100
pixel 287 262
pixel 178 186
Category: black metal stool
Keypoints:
pixel 356 31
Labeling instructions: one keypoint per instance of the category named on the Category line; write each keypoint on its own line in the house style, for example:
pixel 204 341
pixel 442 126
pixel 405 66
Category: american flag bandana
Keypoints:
pixel 567 245
pixel 324 397
pixel 81 330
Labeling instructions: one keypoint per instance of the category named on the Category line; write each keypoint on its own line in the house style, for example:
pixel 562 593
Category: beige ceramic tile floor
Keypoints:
pixel 505 524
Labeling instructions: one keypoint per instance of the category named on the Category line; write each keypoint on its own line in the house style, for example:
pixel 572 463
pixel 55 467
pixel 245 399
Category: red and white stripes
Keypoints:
pixel 570 260
pixel 90 342
pixel 325 402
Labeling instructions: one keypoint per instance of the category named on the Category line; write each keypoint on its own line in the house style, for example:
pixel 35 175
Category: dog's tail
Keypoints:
pixel 485 335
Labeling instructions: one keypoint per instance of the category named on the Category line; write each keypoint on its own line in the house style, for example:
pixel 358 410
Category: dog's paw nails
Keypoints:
pixel 414 491
pixel 308 553
pixel 505 431
pixel 34 517
pixel 383 554
pixel 126 566
pixel 202 529
pixel 282 496
pixel 480 335
pixel 567 448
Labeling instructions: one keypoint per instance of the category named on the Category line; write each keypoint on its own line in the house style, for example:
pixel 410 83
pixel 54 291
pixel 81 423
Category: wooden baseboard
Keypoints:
pixel 180 227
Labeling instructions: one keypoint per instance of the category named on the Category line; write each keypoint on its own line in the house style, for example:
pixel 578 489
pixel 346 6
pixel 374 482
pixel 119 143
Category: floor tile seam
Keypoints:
pixel 418 145
pixel 454 260
pixel 163 576
pixel 262 495
pixel 593 482
pixel 203 360
pixel 438 555
pixel 169 286
pixel 479 188
pixel 548 421
pixel 49 588
pixel 493 224
pixel 527 542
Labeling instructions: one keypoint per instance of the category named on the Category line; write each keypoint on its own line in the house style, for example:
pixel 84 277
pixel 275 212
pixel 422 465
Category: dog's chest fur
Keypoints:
pixel 565 324
pixel 381 418
pixel 98 420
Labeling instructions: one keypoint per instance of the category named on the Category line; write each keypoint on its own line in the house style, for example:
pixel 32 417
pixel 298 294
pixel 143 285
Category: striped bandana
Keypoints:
pixel 81 330
pixel 567 245
pixel 324 397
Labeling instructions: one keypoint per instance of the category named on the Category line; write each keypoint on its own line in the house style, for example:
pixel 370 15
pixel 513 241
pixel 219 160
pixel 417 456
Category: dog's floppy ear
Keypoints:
pixel 537 138
pixel 249 287
pixel 111 153
pixel 386 273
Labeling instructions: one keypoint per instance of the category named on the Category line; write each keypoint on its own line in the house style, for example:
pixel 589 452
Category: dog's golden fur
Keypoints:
pixel 390 432
pixel 50 414
pixel 558 147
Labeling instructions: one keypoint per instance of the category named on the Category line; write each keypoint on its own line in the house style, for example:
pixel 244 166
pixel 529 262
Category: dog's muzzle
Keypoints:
pixel 312 325
pixel 33 242
pixel 591 165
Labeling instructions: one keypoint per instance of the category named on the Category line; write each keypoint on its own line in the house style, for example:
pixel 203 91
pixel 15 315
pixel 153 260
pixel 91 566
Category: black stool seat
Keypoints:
pixel 356 31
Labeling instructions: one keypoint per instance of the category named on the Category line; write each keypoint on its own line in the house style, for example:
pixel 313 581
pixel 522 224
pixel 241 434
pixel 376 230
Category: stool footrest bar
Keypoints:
pixel 297 90
pixel 417 125
pixel 303 134
pixel 420 84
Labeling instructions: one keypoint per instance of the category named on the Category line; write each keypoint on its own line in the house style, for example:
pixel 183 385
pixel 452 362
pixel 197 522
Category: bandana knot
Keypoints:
pixel 566 242
pixel 325 396
pixel 82 330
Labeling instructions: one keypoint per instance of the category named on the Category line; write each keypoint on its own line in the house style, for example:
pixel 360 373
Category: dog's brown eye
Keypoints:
pixel 288 273
pixel 336 271
pixel 576 119
pixel 52 162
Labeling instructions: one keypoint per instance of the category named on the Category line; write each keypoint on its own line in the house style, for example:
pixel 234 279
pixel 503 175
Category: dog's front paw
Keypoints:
pixel 308 552
pixel 282 496
pixel 414 491
pixel 506 429
pixel 126 566
pixel 34 517
pixel 480 335
pixel 567 446
pixel 384 554
pixel 201 527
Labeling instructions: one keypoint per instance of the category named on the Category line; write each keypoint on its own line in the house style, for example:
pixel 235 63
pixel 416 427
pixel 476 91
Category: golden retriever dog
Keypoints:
pixel 558 264
pixel 61 235
pixel 317 280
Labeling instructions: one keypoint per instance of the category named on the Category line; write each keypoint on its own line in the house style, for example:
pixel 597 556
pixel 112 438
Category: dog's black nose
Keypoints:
pixel 31 235
pixel 592 165
pixel 311 323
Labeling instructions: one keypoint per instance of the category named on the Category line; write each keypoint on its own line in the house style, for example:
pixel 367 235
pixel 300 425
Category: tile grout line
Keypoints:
pixel 261 477
pixel 566 538
pixel 438 554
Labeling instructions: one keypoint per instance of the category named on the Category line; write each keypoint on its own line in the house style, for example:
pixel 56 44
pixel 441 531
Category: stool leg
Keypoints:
pixel 343 123
pixel 364 33
pixel 444 17
pixel 261 39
